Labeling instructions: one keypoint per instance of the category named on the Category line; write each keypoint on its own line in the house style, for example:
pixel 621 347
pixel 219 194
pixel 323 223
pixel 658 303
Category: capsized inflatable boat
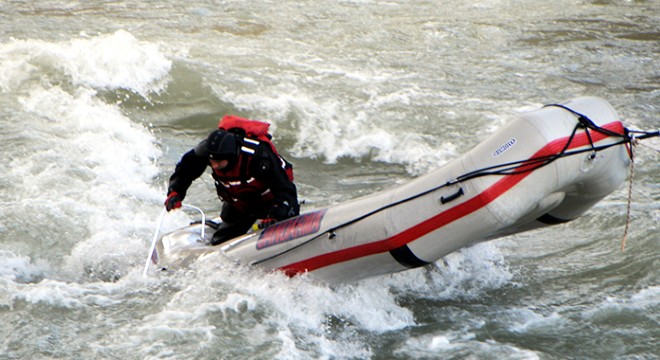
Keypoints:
pixel 547 167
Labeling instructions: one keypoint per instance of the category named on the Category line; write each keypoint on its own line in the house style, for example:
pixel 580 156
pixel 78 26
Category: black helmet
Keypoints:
pixel 222 145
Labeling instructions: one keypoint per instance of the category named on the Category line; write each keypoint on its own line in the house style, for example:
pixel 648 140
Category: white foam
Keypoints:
pixel 334 128
pixel 114 61
pixel 431 344
pixel 528 321
pixel 90 134
pixel 455 345
pixel 298 308
pixel 19 268
pixel 58 294
pixel 644 302
pixel 646 297
pixel 86 167
pixel 308 319
pixel 53 293
pixel 464 274
pixel 329 138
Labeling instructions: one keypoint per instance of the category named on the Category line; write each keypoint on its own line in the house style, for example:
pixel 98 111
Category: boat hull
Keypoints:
pixel 436 214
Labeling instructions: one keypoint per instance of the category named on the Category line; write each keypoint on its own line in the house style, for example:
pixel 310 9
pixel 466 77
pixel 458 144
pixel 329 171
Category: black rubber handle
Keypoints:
pixel 451 197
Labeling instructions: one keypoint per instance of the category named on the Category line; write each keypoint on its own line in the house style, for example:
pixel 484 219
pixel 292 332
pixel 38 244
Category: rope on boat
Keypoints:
pixel 633 144
pixel 630 186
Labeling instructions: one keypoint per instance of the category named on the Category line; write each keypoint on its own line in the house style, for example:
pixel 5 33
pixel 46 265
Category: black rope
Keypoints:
pixel 511 168
pixel 588 124
pixel 508 168
pixel 646 134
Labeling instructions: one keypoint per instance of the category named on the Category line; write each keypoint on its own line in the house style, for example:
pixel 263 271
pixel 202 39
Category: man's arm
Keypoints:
pixel 268 168
pixel 190 167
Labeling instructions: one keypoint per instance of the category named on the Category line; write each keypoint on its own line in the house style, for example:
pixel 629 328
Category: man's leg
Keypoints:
pixel 234 223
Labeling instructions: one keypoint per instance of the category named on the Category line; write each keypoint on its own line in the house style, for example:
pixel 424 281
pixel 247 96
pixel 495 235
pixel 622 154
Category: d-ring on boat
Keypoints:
pixel 546 167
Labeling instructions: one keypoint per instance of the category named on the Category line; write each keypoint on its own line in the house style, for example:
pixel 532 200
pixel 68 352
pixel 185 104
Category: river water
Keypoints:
pixel 99 99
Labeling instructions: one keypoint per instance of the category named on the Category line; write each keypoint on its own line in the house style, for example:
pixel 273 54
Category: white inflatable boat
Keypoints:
pixel 548 166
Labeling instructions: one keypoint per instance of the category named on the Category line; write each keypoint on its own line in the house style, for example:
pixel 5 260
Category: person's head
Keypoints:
pixel 222 148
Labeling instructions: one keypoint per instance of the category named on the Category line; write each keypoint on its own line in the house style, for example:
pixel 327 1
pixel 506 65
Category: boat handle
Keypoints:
pixel 203 217
pixel 452 197
pixel 152 256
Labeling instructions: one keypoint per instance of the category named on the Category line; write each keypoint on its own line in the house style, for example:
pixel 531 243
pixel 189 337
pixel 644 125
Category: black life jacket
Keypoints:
pixel 237 185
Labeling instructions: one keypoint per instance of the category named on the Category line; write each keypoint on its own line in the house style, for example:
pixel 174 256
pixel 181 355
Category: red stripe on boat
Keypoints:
pixel 448 216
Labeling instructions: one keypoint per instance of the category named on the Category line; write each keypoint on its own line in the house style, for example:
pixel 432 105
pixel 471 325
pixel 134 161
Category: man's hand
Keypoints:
pixel 264 223
pixel 280 211
pixel 173 201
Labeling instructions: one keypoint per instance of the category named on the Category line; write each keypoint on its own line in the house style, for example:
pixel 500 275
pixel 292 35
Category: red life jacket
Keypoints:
pixel 254 129
pixel 236 184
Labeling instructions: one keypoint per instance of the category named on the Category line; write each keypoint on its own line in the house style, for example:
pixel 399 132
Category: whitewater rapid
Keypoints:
pixel 98 100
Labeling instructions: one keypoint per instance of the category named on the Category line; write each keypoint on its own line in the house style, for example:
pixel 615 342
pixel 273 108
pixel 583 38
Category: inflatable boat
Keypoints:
pixel 546 167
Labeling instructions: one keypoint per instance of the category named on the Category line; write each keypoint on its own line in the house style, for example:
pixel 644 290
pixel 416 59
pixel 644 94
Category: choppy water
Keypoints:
pixel 98 99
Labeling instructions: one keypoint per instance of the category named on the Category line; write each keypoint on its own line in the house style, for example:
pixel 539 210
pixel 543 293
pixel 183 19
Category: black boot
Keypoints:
pixel 227 231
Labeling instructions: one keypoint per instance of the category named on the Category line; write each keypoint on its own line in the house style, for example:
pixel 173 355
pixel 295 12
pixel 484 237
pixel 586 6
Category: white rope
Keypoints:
pixel 630 186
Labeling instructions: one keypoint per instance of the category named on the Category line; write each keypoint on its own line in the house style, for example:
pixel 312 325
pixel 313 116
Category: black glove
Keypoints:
pixel 264 223
pixel 280 211
pixel 173 201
